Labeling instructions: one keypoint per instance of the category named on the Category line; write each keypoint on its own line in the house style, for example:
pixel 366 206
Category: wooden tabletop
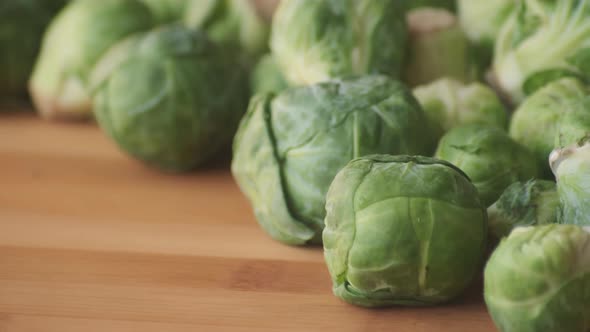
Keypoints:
pixel 93 241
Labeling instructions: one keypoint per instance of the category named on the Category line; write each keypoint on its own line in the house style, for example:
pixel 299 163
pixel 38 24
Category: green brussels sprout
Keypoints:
pixel 185 104
pixel 490 158
pixel 444 4
pixel 538 280
pixel 267 76
pixel 290 146
pixel 438 48
pixel 536 122
pixel 233 23
pixel 482 21
pixel 574 123
pixel 571 167
pixel 166 11
pixel 449 103
pixel 22 23
pixel 316 40
pixel 530 203
pixel 542 37
pixel 391 233
pixel 73 43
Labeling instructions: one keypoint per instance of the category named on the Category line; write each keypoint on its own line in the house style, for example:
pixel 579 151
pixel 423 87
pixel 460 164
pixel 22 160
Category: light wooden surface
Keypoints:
pixel 92 241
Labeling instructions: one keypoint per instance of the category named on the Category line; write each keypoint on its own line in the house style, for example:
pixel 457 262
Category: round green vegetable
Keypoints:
pixel 289 147
pixel 571 167
pixel 536 123
pixel 489 157
pixel 449 103
pixel 530 203
pixel 402 230
pixel 267 76
pixel 22 23
pixel 316 40
pixel 574 123
pixel 169 97
pixel 538 280
pixel 73 43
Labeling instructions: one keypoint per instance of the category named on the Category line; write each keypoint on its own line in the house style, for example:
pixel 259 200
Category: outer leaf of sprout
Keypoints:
pixel 530 203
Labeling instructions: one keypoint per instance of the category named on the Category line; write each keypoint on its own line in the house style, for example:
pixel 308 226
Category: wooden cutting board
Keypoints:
pixel 93 241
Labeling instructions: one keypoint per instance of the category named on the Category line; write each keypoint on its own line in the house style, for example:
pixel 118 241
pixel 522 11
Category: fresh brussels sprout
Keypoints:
pixel 490 158
pixel 75 40
pixel 543 39
pixel 449 103
pixel 574 123
pixel 482 21
pixel 185 102
pixel 316 40
pixel 538 280
pixel 289 147
pixel 166 11
pixel 536 122
pixel 22 23
pixel 571 167
pixel 267 76
pixel 530 203
pixel 391 233
pixel 233 23
pixel 438 48
pixel 444 4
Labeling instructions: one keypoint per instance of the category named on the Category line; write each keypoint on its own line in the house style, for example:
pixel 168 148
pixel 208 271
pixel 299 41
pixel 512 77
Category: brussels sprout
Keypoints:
pixel 234 23
pixel 449 103
pixel 75 40
pixel 22 23
pixel 391 233
pixel 571 167
pixel 538 280
pixel 489 157
pixel 267 76
pixel 289 147
pixel 530 203
pixel 316 40
pixel 166 11
pixel 186 100
pixel 544 35
pixel 536 123
pixel 574 123
pixel 482 21
pixel 444 4
pixel 438 48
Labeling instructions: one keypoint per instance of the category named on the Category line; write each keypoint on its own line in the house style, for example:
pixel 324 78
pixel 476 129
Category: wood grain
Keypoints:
pixel 91 240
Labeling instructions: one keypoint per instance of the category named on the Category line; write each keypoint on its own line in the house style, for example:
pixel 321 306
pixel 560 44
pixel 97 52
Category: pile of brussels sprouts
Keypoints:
pixel 167 80
pixel 407 137
pixel 412 140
